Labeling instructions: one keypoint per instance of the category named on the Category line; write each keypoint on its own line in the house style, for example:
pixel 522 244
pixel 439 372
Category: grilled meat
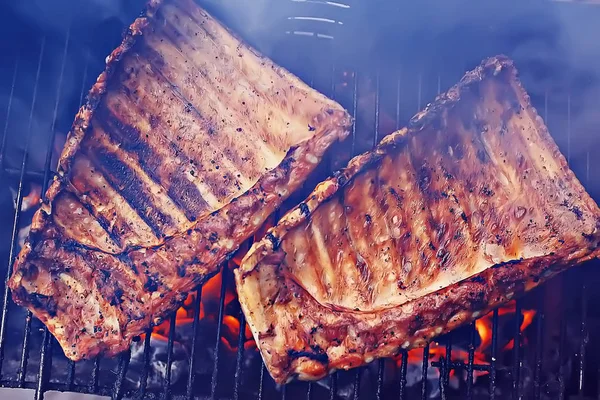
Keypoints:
pixel 468 207
pixel 189 141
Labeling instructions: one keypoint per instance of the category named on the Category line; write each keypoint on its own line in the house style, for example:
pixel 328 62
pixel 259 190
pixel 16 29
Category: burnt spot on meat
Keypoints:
pixel 477 279
pixel 416 323
pixel 105 274
pixel 304 209
pixel 151 284
pixel 397 196
pixel 486 191
pixel 117 296
pixel 320 357
pixel 132 189
pixel 464 216
pixel 424 178
pixel 42 302
pixel 125 259
pixel 273 240
pixel 510 263
pixel 186 195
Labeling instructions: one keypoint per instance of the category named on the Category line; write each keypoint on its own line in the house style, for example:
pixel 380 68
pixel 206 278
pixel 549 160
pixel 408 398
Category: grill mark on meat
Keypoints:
pixel 240 158
pixel 133 191
pixel 187 196
pixel 102 221
pixel 184 194
pixel 185 91
pixel 129 139
pixel 162 142
pixel 84 179
pixel 217 181
pixel 181 40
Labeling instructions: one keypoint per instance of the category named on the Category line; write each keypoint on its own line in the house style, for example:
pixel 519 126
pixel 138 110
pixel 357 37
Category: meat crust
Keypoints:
pixel 188 142
pixel 468 207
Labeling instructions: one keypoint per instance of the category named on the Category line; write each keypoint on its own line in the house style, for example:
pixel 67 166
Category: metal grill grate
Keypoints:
pixel 445 365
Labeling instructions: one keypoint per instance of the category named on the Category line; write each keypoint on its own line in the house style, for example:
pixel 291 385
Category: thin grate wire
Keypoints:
pixel 424 372
pixel 13 247
pixel 8 110
pixel 192 359
pixel 494 355
pixel 309 391
pixel 46 349
pixel 18 201
pixel 584 339
pixel 166 395
pixel 118 388
pixel 144 378
pixel 215 375
pixel 471 364
pixel 333 380
pixel 516 369
pixel 239 356
pixel 261 383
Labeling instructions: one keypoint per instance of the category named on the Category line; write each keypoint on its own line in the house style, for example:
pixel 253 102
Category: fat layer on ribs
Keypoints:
pixel 468 207
pixel 189 140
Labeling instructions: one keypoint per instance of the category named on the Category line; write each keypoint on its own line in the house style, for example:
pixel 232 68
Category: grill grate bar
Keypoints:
pixel 424 372
pixel 494 354
pixel 448 361
pixel 537 387
pixel 240 356
pixel 470 365
pixel 144 378
pixel 356 388
pixel 45 365
pixel 118 389
pixel 214 382
pixel 354 110
pixel 403 370
pixel 93 386
pixel 584 338
pixel 442 381
pixel 19 201
pixel 70 375
pixel 332 386
pixel 170 340
pixel 47 342
pixel 380 372
pixel 25 352
pixel 309 391
pixel 516 378
pixel 261 382
pixel 8 110
pixel 192 359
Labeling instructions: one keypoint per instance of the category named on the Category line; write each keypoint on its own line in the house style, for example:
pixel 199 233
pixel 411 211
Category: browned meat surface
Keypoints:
pixel 189 141
pixel 467 208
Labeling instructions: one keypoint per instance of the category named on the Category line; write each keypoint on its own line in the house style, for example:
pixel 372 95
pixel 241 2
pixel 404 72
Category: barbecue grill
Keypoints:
pixel 383 61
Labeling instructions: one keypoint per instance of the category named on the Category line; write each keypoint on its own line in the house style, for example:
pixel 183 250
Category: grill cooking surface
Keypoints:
pixel 549 352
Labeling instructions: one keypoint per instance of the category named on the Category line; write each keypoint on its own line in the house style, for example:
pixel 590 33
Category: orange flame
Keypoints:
pixel 33 198
pixel 484 329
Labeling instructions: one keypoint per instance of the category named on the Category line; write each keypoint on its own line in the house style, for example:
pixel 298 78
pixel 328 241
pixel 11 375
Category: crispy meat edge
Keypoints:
pixel 268 246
